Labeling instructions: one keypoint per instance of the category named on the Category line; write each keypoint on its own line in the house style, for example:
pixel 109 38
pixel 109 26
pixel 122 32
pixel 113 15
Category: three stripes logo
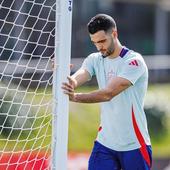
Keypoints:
pixel 134 63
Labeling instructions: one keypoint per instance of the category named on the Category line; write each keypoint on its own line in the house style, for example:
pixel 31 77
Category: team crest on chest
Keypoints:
pixel 110 74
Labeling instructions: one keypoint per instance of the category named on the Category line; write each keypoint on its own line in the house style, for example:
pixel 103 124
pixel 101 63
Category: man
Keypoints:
pixel 123 142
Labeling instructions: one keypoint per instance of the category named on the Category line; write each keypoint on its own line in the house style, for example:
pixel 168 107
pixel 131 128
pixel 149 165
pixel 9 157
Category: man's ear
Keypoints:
pixel 114 33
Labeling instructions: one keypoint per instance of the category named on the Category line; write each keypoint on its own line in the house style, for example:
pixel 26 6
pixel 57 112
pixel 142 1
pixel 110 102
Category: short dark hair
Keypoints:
pixel 101 22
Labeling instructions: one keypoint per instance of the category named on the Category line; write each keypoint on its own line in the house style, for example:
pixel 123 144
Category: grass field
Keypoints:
pixel 84 122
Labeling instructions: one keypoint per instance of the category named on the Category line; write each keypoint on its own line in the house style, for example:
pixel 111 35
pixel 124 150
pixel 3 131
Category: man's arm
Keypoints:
pixel 114 87
pixel 80 77
pixel 77 79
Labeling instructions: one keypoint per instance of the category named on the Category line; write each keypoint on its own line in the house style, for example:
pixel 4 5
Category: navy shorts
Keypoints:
pixel 103 158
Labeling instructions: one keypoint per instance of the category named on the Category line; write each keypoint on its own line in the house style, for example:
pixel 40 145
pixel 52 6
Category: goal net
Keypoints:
pixel 27 45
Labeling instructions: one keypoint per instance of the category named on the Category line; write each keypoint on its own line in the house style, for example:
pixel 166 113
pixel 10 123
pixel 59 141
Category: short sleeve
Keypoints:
pixel 88 64
pixel 132 69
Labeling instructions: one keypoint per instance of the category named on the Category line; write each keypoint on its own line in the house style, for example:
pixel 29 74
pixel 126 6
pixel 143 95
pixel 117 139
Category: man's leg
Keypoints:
pixel 103 158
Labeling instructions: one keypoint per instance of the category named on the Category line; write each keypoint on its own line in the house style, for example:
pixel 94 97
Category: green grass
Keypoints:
pixel 84 123
pixel 162 148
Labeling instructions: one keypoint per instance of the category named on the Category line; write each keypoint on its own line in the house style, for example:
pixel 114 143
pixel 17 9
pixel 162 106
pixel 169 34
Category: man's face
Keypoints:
pixel 104 42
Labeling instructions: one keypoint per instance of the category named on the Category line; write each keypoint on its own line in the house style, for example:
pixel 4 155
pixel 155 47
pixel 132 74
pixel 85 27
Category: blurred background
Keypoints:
pixel 143 26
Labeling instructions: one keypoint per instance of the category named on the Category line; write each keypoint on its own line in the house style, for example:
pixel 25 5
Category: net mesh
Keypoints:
pixel 27 31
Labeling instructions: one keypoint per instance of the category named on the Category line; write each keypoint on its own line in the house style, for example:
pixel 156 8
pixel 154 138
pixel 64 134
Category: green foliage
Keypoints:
pixel 156 122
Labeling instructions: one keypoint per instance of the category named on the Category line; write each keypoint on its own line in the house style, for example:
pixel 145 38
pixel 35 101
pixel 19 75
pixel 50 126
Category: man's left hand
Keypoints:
pixel 69 88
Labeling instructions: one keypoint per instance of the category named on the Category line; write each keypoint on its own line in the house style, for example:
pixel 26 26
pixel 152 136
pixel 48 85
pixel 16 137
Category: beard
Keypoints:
pixel 110 49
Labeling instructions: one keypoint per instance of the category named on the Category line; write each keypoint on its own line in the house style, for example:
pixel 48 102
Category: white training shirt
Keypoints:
pixel 123 123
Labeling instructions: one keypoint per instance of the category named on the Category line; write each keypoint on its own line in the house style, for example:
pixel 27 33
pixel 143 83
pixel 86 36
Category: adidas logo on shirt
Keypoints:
pixel 134 63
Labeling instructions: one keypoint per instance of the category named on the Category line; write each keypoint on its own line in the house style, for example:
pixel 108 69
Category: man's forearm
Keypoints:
pixel 116 86
pixel 80 77
pixel 92 97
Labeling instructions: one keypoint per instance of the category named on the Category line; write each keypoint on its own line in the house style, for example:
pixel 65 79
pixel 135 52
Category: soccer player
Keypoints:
pixel 123 142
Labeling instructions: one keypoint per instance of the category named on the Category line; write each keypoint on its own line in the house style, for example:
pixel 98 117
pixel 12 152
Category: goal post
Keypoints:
pixel 33 108
pixel 62 63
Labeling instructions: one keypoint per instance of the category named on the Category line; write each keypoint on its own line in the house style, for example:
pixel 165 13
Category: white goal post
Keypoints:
pixel 33 108
pixel 62 62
